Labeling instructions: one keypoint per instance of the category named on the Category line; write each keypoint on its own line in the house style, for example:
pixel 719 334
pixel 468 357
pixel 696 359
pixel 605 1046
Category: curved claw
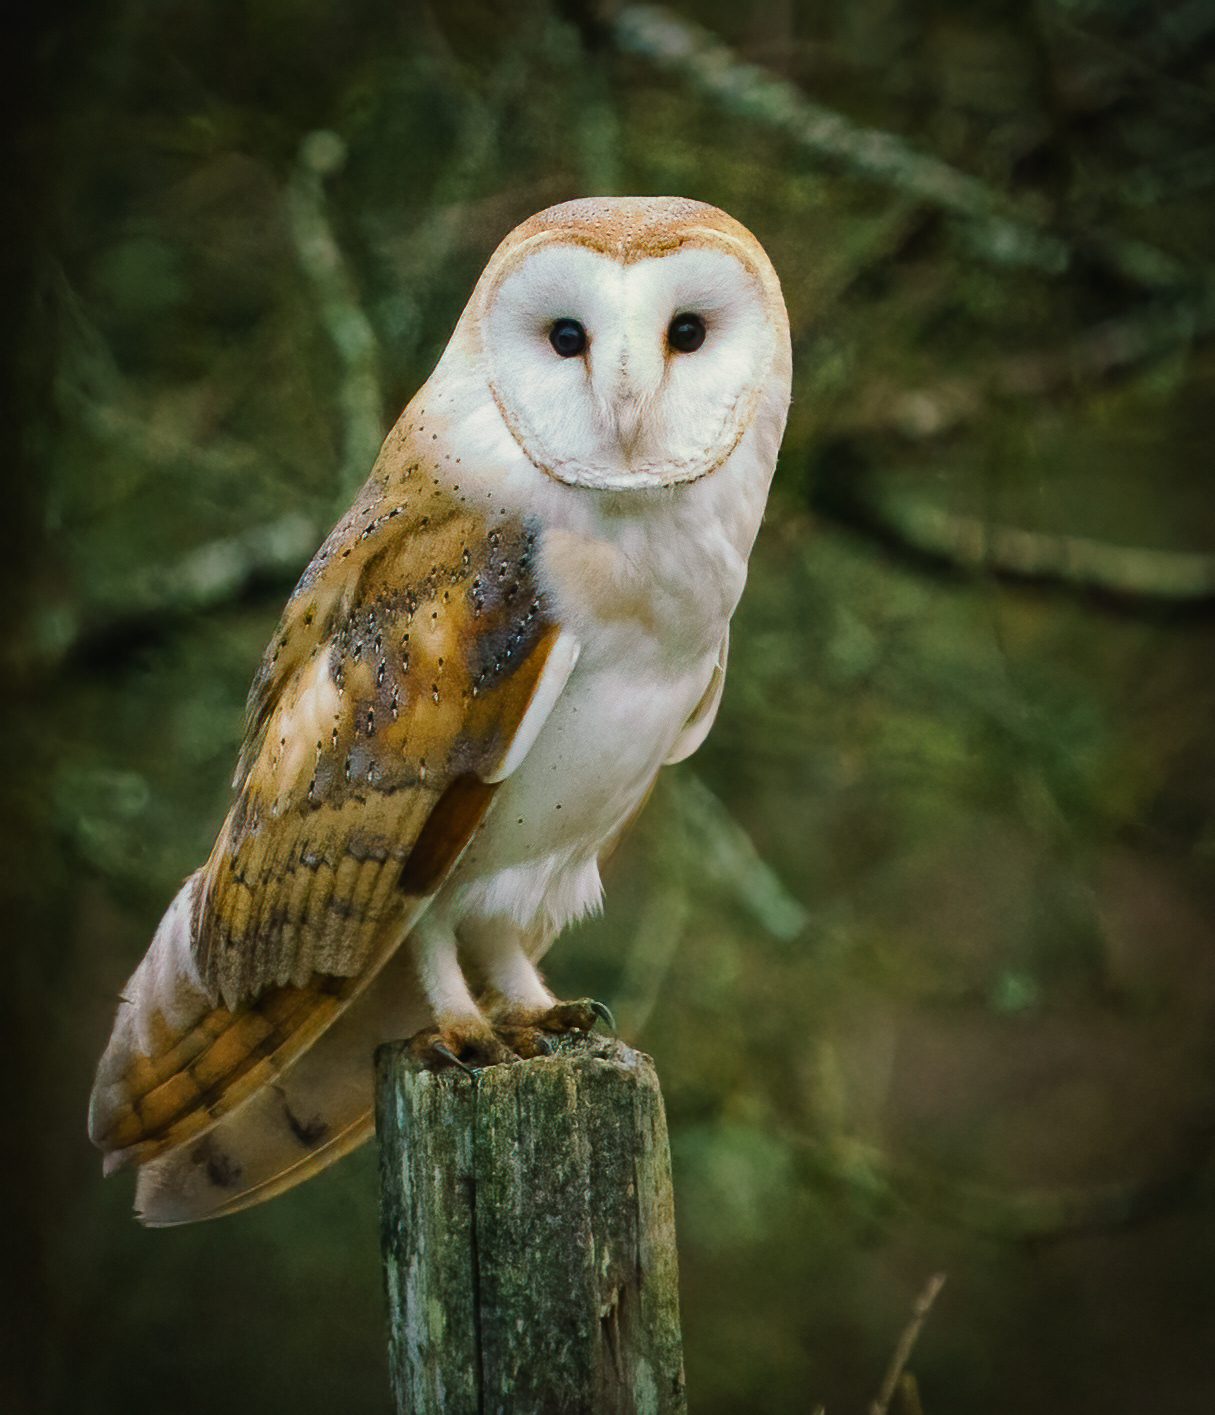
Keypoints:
pixel 443 1050
pixel 604 1013
pixel 525 1040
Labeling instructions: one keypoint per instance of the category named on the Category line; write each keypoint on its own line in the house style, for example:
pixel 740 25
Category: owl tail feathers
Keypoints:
pixel 319 1109
pixel 178 1061
pixel 222 1110
pixel 245 1160
pixel 159 1011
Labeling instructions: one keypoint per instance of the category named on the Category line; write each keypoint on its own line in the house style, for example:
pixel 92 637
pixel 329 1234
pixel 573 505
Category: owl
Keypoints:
pixel 523 617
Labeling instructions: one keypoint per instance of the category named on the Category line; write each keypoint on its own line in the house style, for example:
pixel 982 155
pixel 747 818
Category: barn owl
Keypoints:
pixel 521 619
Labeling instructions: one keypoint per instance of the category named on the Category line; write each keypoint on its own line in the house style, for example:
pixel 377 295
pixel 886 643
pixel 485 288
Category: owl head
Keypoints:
pixel 629 342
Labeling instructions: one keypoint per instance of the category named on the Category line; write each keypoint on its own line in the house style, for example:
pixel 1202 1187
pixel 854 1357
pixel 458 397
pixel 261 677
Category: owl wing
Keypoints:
pixel 704 714
pixel 414 665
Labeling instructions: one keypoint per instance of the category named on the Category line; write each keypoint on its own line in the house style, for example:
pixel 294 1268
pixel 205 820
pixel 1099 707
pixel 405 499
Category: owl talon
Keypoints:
pixel 604 1013
pixel 443 1050
pixel 472 1051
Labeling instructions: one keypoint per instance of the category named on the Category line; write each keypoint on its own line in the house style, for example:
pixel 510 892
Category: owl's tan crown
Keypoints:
pixel 630 228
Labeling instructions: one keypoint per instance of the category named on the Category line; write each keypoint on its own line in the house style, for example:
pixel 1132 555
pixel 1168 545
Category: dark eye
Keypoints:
pixel 568 337
pixel 686 333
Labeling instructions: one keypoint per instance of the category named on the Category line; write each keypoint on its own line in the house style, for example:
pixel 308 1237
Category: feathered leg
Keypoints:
pixel 523 1010
pixel 462 1034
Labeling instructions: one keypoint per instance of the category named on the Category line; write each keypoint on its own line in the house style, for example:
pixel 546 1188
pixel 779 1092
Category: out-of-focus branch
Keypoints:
pixel 1100 353
pixel 1156 182
pixel 1124 571
pixel 1022 1215
pixel 909 1395
pixel 157 443
pixel 1164 40
pixel 906 1344
pixel 1129 577
pixel 321 155
pixel 725 855
pixel 656 941
pixel 1178 32
pixel 704 849
pixel 1002 231
pixel 91 391
pixel 217 573
pixel 269 556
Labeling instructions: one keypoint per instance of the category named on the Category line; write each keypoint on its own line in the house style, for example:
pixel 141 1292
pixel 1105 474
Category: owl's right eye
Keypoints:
pixel 568 337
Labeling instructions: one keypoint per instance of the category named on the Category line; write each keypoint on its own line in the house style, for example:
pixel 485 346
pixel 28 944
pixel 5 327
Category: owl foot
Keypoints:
pixel 469 1047
pixel 524 1040
pixel 579 1016
pixel 473 1047
pixel 528 1035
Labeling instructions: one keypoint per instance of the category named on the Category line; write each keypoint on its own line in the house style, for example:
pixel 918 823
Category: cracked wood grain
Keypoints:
pixel 528 1235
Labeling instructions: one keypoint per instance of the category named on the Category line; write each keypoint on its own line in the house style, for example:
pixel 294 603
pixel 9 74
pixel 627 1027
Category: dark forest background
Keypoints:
pixel 921 940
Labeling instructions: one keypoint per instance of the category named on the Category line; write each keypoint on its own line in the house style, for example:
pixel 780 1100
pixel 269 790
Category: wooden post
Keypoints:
pixel 529 1235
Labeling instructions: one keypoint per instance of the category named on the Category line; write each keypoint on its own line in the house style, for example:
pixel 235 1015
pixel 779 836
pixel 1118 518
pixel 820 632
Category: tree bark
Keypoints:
pixel 529 1235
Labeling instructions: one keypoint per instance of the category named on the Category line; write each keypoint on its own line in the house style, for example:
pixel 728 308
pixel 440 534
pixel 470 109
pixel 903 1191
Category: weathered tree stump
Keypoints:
pixel 529 1235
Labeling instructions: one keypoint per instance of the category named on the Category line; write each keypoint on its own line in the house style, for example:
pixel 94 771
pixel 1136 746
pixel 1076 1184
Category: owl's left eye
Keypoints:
pixel 568 337
pixel 686 333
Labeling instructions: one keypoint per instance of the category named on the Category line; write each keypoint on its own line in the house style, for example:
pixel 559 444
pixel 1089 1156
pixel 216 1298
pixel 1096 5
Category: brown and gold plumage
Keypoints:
pixel 387 700
pixel 523 617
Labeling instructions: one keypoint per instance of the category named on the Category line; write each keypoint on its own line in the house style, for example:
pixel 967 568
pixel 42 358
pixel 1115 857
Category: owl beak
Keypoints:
pixel 635 383
pixel 630 409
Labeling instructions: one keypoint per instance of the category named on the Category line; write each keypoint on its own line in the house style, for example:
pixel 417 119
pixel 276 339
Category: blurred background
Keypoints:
pixel 921 940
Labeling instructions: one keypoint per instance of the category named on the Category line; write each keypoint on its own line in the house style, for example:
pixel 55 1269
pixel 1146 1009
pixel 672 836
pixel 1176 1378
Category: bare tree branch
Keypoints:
pixel 1130 578
pixel 1030 1214
pixel 909 1395
pixel 216 573
pixel 724 854
pixel 321 155
pixel 907 1341
pixel 702 849
pixel 1003 232
pixel 1102 352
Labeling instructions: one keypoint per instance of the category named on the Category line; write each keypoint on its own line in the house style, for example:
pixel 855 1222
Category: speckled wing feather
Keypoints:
pixel 399 675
